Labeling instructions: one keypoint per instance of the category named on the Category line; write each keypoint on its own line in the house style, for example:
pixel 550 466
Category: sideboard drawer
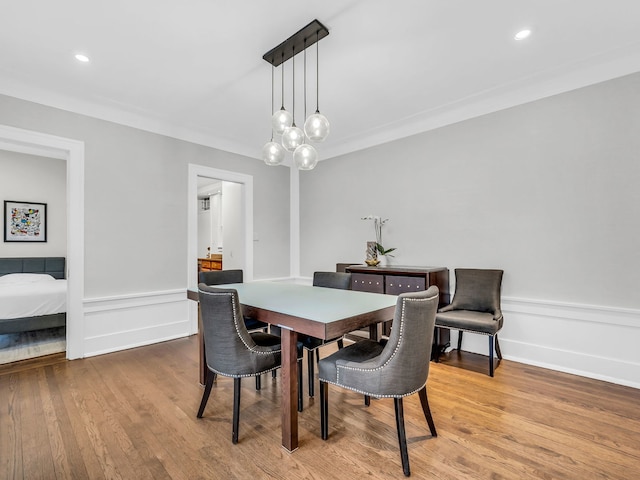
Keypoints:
pixel 397 284
pixel 365 282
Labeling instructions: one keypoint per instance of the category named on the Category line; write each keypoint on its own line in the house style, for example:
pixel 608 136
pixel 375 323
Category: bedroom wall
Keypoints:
pixel 136 207
pixel 547 191
pixel 29 178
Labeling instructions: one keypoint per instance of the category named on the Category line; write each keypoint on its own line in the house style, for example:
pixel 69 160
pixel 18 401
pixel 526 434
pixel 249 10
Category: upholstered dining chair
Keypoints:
pixel 223 277
pixel 475 307
pixel 396 368
pixel 339 280
pixel 231 350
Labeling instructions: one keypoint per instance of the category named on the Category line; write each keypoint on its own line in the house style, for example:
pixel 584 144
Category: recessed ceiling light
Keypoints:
pixel 82 58
pixel 522 34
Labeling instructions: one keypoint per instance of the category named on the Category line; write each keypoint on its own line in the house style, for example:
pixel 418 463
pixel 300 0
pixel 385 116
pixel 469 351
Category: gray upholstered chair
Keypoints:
pixel 231 350
pixel 475 307
pixel 223 277
pixel 339 280
pixel 396 368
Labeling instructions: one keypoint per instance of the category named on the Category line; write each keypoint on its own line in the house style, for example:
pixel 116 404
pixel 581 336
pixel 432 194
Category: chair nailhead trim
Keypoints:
pixel 235 322
pixel 400 339
pixel 374 395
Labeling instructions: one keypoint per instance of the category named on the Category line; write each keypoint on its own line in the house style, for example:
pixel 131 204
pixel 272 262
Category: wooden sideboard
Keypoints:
pixel 214 262
pixel 400 279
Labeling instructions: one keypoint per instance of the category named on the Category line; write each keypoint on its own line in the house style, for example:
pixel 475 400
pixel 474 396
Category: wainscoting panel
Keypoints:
pixel 591 341
pixel 128 321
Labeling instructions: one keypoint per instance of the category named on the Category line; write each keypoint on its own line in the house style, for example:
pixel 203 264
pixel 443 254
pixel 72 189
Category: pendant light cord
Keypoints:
pixel 293 86
pixel 272 97
pixel 317 74
pixel 305 79
pixel 282 83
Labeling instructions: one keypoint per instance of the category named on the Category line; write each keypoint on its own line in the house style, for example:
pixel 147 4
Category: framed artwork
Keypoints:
pixel 25 221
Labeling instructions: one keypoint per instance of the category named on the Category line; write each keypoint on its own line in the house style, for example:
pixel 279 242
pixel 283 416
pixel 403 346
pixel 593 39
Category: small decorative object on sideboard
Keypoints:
pixel 372 256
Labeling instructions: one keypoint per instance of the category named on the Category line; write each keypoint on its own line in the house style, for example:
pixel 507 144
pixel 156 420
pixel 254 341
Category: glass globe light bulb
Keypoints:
pixel 281 120
pixel 273 153
pixel 292 138
pixel 317 127
pixel 305 157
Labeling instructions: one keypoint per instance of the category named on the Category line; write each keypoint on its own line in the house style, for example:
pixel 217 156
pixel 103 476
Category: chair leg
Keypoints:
pixel 367 400
pixel 324 410
pixel 207 391
pixel 258 382
pixel 310 367
pixel 436 355
pixel 460 340
pixel 340 343
pixel 498 352
pixel 299 385
pixel 491 355
pixel 402 437
pixel 273 374
pixel 236 410
pixel 427 411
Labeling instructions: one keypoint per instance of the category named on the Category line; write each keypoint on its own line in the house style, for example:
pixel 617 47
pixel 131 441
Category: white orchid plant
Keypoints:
pixel 378 222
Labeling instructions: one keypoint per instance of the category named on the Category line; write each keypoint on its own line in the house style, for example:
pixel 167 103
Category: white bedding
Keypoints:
pixel 30 297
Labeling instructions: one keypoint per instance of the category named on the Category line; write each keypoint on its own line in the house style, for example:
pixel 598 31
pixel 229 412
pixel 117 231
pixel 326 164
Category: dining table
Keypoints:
pixel 324 313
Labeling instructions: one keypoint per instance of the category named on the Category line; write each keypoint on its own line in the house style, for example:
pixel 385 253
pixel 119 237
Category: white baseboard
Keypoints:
pixel 129 321
pixel 586 340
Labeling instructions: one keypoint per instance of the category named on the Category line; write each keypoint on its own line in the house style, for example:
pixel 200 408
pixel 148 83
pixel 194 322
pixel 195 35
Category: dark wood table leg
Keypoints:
pixel 289 390
pixel 374 331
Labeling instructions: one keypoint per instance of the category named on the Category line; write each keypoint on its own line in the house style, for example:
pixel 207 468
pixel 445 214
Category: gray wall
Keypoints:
pixel 136 200
pixel 29 178
pixel 548 191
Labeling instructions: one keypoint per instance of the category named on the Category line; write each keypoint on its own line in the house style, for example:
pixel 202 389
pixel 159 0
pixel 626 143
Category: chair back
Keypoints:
pixel 478 290
pixel 220 277
pixel 229 348
pixel 340 280
pixel 406 355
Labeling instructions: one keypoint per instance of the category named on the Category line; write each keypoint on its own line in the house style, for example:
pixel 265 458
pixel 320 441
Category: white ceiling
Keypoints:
pixel 193 69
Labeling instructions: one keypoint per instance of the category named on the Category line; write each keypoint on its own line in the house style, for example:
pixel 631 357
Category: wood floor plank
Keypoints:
pixel 132 414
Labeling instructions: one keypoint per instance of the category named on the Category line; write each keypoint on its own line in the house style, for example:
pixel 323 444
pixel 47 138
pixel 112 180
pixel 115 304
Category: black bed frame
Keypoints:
pixel 54 266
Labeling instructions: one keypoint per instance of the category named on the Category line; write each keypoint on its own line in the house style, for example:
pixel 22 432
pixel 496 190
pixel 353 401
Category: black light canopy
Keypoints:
pixel 299 41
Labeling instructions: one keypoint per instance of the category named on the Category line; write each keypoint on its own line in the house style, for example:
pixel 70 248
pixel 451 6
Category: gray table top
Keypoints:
pixel 319 304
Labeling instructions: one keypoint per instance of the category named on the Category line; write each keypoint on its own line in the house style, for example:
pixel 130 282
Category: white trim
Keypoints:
pixel 50 146
pixel 99 304
pixel 196 171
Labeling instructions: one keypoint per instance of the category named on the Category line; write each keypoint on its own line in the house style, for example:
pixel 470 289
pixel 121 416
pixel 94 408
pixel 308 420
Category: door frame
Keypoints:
pixel 50 146
pixel 246 181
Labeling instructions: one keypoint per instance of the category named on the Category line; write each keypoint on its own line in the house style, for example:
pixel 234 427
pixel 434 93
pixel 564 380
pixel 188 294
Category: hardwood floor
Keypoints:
pixel 132 415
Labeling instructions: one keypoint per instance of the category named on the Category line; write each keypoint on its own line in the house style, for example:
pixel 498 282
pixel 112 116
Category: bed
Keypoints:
pixel 33 293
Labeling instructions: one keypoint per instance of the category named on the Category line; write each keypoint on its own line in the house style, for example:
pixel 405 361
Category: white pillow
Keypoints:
pixel 13 278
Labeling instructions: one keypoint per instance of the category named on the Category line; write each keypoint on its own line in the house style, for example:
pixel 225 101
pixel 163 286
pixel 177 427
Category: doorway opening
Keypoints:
pixel 237 226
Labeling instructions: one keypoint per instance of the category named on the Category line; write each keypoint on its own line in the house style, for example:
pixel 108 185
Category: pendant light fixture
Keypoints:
pixel 272 152
pixel 316 126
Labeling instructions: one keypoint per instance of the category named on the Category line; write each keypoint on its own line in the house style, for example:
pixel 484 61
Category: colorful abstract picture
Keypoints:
pixel 25 221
